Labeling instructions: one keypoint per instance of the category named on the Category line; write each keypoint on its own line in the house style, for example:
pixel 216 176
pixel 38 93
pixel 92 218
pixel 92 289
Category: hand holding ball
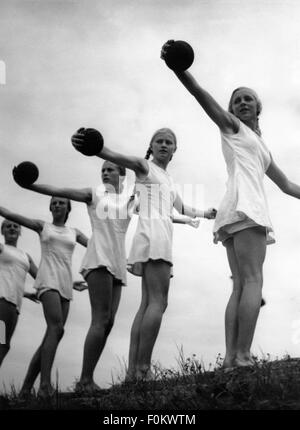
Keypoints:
pixel 178 55
pixel 88 141
pixel 25 173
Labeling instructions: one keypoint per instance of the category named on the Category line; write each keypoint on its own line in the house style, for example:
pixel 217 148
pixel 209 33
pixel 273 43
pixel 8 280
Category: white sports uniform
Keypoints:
pixel 14 266
pixel 110 214
pixel 54 273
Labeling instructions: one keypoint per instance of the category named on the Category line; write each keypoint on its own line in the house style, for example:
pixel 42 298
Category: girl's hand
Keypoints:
pixel 88 141
pixel 80 285
pixel 165 48
pixel 78 139
pixel 210 213
pixel 194 222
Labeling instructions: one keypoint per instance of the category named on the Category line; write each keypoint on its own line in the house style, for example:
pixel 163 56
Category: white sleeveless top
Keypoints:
pixel 247 159
pixel 110 214
pixel 154 234
pixel 57 246
pixel 14 265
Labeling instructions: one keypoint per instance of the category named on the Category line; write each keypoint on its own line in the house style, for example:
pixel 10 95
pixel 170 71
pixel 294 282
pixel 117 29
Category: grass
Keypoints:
pixel 268 385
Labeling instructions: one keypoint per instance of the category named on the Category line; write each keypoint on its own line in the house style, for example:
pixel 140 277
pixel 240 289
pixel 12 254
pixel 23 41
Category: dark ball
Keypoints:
pixel 93 142
pixel 179 56
pixel 26 173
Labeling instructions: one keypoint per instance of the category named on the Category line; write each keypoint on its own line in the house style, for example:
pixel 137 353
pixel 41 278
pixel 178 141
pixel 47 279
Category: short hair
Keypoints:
pixel 258 102
pixel 69 206
pixel 122 169
pixel 5 221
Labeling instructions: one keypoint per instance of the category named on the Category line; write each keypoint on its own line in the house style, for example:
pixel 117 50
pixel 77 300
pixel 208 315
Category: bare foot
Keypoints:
pixel 228 363
pixel 24 394
pixel 87 388
pixel 46 392
pixel 145 375
pixel 248 362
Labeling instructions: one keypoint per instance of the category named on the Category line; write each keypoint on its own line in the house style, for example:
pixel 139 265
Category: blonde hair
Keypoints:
pixel 258 103
pixel 159 131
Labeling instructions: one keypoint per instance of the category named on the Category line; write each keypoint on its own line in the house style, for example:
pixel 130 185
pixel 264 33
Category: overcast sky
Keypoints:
pixel 96 64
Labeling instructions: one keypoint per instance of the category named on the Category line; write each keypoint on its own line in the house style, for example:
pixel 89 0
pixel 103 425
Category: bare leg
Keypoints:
pixel 157 277
pixel 35 364
pixel 250 251
pixel 8 316
pixel 135 335
pixel 231 313
pixel 53 311
pixel 100 283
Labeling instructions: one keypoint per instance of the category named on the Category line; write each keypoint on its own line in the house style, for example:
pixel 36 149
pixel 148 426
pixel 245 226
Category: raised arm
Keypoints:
pixel 81 238
pixel 280 179
pixel 33 224
pixel 137 164
pixel 227 122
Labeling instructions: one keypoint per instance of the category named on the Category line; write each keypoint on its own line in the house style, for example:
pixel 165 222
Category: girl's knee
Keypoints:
pixel 237 284
pixel 102 322
pixel 252 277
pixel 57 329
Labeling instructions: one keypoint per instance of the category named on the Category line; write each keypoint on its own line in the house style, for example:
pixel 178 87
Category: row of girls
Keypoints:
pixel 242 225
pixel 104 266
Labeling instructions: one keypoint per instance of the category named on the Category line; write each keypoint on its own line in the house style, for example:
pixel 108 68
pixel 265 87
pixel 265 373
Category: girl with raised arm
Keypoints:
pixel 242 223
pixel 53 285
pixel 14 266
pixel 151 252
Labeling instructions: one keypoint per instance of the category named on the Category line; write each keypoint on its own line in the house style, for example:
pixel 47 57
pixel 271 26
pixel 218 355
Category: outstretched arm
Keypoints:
pixel 80 195
pixel 137 164
pixel 280 179
pixel 193 212
pixel 227 122
pixel 193 222
pixel 81 238
pixel 33 224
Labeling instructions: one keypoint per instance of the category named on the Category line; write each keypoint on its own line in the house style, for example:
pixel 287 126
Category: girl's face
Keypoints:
pixel 110 174
pixel 11 231
pixel 59 207
pixel 244 105
pixel 163 146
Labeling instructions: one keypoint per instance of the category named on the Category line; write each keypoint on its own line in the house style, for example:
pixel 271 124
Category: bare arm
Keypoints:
pixel 137 164
pixel 193 212
pixel 81 238
pixel 227 122
pixel 280 179
pixel 33 224
pixel 32 271
pixel 80 195
pixel 32 268
pixel 193 222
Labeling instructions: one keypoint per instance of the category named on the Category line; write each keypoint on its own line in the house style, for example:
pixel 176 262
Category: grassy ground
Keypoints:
pixel 268 385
